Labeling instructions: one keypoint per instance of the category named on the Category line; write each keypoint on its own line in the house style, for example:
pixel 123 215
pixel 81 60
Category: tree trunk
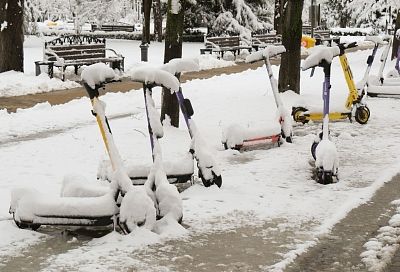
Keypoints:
pixel 278 15
pixel 146 26
pixel 289 72
pixel 396 43
pixel 157 20
pixel 11 35
pixel 173 49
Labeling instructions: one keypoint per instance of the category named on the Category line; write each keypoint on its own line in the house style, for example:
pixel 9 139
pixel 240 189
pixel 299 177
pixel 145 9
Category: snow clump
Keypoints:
pixel 96 74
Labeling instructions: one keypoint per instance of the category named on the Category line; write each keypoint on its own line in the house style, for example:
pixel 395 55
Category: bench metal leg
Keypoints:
pixel 63 73
pixel 76 69
pixel 37 69
pixel 50 70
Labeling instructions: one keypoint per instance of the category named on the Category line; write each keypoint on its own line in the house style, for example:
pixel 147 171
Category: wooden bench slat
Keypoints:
pixel 79 57
pixel 78 52
pixel 78 47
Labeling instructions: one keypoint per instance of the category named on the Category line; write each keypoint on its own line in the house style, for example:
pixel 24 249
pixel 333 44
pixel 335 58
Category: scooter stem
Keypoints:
pixel 146 91
pixel 272 80
pixel 326 97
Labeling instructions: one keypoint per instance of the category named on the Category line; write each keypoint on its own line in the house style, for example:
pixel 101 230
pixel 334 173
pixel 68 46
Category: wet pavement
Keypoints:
pixel 341 249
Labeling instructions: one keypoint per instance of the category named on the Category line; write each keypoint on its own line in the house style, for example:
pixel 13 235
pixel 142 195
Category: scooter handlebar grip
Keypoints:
pixel 352 45
pixel 92 92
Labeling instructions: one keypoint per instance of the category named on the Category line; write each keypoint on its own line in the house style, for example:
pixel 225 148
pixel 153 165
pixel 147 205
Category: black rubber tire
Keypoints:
pixel 327 178
pixel 289 139
pixel 217 180
pixel 296 111
pixel 21 225
pixel 362 115
pixel 34 227
pixel 313 149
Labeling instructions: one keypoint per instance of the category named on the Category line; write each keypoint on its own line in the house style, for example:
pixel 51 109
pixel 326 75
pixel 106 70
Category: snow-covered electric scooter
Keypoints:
pixel 355 107
pixel 323 149
pixel 121 204
pixel 183 170
pixel 389 86
pixel 236 137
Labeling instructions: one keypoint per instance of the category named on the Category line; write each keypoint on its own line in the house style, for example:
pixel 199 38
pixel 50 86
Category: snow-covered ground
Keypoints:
pixel 14 83
pixel 38 146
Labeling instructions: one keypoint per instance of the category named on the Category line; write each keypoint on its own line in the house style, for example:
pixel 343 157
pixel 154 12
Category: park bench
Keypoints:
pixel 220 45
pixel 262 40
pixel 77 50
pixel 111 28
pixel 321 36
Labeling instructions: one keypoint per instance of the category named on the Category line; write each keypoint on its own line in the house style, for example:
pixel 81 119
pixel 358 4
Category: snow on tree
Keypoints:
pixel 240 21
pixel 377 14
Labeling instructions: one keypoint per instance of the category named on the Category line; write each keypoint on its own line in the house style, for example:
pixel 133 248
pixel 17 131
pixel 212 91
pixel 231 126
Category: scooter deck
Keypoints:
pixel 333 116
pixel 264 142
pixel 383 91
pixel 69 221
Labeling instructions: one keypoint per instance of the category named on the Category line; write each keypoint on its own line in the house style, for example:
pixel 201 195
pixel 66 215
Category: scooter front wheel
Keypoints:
pixel 325 177
pixel 313 149
pixel 217 180
pixel 25 225
pixel 362 114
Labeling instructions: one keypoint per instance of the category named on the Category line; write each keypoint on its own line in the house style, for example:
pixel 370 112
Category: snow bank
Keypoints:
pixel 318 54
pixel 17 83
pixel 96 74
pixel 209 61
pixel 380 249
pixel 151 75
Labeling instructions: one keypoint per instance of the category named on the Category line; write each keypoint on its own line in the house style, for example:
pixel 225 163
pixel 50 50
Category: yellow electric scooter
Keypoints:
pixel 356 108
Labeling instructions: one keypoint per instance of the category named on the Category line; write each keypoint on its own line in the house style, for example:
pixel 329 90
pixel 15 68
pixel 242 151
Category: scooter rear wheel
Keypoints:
pixel 362 115
pixel 298 116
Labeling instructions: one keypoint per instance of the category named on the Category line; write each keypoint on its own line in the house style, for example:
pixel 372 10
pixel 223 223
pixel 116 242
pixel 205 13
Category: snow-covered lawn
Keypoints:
pixel 16 83
pixel 38 146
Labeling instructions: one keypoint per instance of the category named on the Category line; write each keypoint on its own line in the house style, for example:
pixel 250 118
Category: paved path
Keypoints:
pixel 64 96
pixel 340 250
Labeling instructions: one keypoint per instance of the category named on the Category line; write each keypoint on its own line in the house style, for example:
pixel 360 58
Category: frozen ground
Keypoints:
pixel 38 146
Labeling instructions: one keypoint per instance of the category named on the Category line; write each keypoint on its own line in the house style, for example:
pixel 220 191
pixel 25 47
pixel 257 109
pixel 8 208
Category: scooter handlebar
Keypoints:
pixel 344 46
pixel 94 92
